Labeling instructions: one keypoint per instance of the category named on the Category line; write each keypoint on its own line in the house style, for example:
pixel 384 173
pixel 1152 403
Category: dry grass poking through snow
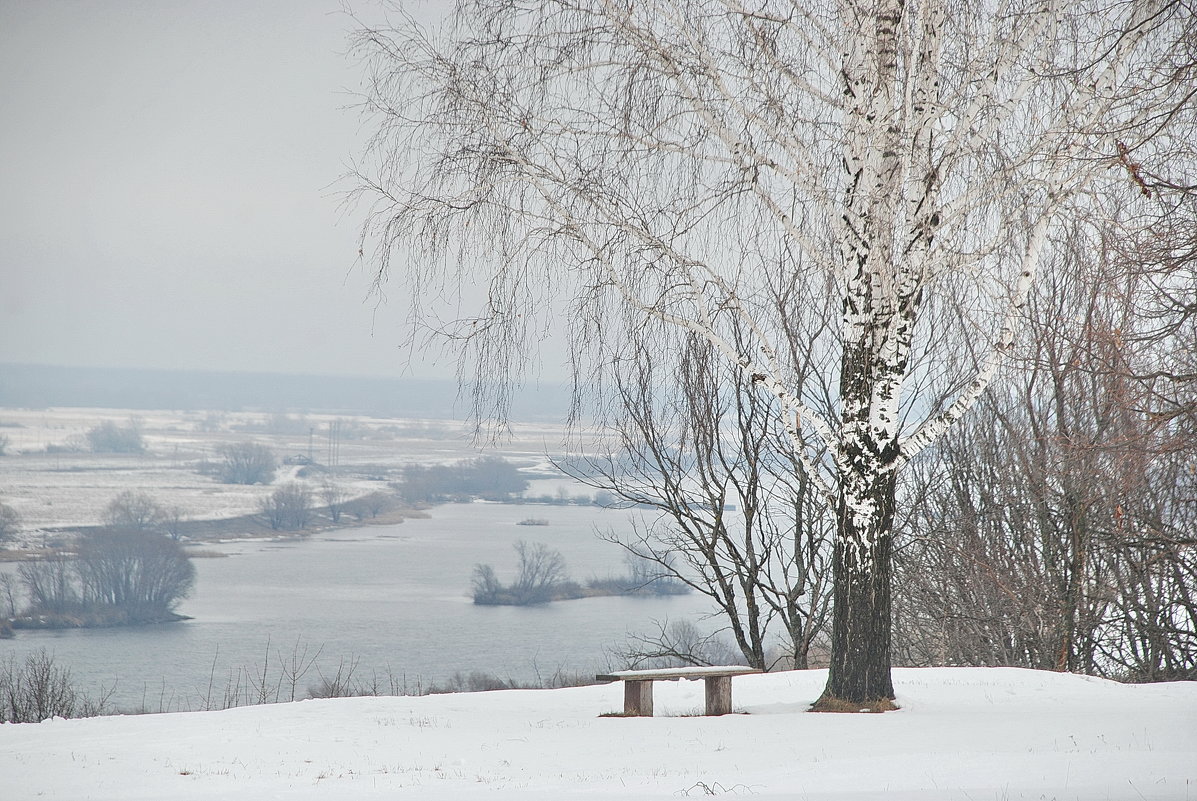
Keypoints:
pixel 829 703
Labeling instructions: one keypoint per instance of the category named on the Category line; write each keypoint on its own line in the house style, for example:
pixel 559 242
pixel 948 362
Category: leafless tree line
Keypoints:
pixel 1057 529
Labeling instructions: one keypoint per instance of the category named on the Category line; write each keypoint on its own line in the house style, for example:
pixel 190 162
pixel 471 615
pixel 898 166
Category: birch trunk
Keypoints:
pixel 881 293
pixel 860 666
pixel 859 672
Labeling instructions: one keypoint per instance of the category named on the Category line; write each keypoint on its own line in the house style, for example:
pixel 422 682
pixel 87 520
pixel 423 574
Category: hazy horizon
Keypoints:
pixel 171 191
pixel 27 386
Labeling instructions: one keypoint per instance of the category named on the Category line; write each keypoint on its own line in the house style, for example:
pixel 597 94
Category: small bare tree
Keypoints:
pixel 246 463
pixel 8 595
pixel 539 571
pixel 10 522
pixel 133 509
pixel 335 499
pixel 486 585
pixel 36 690
pixel 289 507
pixel 369 505
pixel 173 518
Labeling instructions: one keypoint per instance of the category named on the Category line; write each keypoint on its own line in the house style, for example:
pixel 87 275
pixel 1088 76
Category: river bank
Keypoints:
pixel 194 534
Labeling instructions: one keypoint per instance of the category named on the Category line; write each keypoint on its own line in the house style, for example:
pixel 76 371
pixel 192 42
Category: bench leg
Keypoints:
pixel 718 695
pixel 638 698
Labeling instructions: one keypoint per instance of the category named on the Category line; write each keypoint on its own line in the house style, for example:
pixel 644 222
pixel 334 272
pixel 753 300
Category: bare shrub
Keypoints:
pixel 476 681
pixel 491 478
pixel 288 508
pixel 539 579
pixel 246 463
pixel 341 683
pixel 10 522
pixel 108 437
pixel 132 509
pixel 38 689
pixel 335 498
pixel 371 505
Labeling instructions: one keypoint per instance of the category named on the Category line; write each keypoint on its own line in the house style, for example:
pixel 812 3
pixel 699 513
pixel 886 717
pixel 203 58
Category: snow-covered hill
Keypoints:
pixel 982 734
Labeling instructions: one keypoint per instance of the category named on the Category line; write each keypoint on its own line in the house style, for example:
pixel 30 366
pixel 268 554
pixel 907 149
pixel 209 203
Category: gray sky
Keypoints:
pixel 167 191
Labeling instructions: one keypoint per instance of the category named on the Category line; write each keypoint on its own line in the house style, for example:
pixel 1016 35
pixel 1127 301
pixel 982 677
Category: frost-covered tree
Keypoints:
pixel 108 437
pixel 705 168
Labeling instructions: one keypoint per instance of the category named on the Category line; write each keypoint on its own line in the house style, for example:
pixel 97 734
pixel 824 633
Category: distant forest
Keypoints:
pixel 36 386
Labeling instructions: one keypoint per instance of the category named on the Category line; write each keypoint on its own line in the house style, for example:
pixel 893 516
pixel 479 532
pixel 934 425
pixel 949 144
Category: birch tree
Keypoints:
pixel 683 166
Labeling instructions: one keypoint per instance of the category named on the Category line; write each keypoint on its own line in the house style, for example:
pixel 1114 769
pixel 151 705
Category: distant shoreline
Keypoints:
pixel 198 533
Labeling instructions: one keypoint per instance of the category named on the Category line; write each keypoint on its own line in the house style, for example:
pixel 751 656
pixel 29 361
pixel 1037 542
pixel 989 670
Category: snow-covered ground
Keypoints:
pixel 981 734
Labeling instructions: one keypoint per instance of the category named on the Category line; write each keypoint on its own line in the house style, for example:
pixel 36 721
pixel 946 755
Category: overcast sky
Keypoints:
pixel 168 176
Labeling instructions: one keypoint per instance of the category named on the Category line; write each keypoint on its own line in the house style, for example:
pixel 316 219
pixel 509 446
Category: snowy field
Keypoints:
pixel 981 734
pixel 52 481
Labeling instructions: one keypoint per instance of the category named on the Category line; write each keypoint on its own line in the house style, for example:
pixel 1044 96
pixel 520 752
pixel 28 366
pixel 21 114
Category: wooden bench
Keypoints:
pixel 638 686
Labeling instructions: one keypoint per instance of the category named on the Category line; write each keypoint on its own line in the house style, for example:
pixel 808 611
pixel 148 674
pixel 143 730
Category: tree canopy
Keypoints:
pixel 859 191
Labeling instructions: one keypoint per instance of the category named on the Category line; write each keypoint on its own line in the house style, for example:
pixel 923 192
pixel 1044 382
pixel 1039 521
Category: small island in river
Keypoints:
pixel 541 578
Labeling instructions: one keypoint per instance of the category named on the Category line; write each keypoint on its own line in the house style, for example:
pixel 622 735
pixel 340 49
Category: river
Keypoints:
pixel 388 601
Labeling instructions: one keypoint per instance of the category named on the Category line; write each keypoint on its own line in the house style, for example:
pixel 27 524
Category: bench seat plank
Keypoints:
pixel 677 673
